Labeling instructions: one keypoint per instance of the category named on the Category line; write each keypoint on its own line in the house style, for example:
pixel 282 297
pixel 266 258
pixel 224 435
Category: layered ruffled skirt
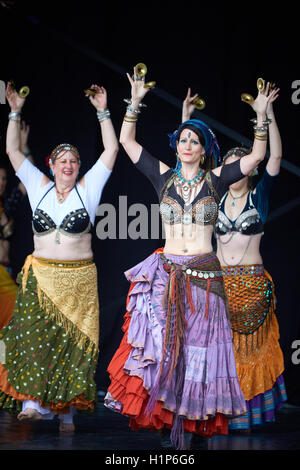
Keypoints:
pixel 175 366
pixel 51 342
pixel 259 359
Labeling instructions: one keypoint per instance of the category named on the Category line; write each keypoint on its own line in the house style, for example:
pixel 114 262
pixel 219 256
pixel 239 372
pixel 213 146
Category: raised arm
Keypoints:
pixel 109 139
pixel 128 129
pixel 24 133
pixel 187 106
pixel 13 129
pixel 249 162
pixel 273 165
pixel 259 105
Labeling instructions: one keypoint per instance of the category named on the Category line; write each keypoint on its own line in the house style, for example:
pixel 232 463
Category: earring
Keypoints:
pixel 202 158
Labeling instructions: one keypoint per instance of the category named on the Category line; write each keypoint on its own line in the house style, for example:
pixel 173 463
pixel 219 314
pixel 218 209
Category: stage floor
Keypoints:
pixel 108 431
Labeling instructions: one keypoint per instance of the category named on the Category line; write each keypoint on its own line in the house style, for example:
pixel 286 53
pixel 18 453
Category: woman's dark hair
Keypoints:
pixel 3 166
pixel 208 162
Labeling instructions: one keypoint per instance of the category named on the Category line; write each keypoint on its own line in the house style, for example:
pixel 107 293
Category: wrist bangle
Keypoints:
pixel 102 115
pixel 131 109
pixel 264 123
pixel 260 128
pixel 261 136
pixel 14 114
pixel 130 118
pixel 129 101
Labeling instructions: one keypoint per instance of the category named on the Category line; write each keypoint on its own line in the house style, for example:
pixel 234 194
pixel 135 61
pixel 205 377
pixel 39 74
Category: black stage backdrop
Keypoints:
pixel 59 49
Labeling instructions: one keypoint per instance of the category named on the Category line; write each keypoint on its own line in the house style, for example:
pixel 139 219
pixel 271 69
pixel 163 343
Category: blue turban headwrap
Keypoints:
pixel 211 145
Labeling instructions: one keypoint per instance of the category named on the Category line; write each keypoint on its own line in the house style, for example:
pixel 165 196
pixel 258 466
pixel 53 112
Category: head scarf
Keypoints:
pixel 211 145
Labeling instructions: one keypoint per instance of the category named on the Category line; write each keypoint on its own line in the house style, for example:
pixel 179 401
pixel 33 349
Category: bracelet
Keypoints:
pixel 261 136
pixel 260 128
pixel 265 123
pixel 128 101
pixel 102 115
pixel 130 109
pixel 13 114
pixel 130 118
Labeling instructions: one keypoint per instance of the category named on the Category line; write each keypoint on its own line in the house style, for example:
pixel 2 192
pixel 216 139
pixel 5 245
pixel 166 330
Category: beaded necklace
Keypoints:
pixel 186 187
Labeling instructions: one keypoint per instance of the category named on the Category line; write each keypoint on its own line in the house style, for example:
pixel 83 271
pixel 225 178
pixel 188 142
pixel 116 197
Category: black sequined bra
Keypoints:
pixel 248 222
pixel 74 224
pixel 202 211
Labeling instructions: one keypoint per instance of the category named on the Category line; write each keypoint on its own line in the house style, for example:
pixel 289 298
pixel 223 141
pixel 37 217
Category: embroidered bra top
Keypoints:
pixel 248 222
pixel 204 208
pixel 253 216
pixel 75 223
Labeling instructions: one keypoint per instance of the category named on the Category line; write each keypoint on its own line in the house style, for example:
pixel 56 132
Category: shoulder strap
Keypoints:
pixel 167 186
pixel 80 197
pixel 209 182
pixel 45 195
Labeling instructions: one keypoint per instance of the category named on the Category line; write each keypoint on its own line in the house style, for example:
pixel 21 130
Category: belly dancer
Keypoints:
pixel 52 339
pixel 175 366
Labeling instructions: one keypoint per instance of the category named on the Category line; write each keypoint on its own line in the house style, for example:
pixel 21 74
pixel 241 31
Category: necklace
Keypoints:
pixel 187 188
pixel 237 197
pixel 60 196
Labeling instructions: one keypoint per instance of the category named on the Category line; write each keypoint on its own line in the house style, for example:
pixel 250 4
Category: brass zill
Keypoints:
pixel 199 103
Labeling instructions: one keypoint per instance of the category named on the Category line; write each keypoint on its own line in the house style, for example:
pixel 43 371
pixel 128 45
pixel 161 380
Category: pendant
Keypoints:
pixel 232 202
pixel 57 237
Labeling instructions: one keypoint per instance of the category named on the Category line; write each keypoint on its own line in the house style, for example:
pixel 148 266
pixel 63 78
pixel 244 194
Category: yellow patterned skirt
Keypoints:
pixel 68 291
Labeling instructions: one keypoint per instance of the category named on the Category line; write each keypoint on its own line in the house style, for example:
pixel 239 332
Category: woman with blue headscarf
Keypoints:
pixel 175 366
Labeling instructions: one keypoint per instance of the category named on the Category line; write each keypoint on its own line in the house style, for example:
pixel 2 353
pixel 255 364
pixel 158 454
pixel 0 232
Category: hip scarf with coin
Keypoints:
pixel 68 293
pixel 251 299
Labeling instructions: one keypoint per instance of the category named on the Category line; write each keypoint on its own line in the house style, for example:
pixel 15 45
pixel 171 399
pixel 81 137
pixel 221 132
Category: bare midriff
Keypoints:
pixel 238 249
pixel 69 249
pixel 189 239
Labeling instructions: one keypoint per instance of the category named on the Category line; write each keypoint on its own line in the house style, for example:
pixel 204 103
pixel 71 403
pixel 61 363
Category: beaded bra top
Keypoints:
pixel 248 222
pixel 76 223
pixel 202 211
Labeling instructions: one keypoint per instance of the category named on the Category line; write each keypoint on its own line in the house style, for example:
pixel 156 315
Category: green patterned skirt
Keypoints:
pixel 43 359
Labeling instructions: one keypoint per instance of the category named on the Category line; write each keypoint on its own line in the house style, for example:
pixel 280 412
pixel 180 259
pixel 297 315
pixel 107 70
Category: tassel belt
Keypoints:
pixel 195 272
pixel 208 279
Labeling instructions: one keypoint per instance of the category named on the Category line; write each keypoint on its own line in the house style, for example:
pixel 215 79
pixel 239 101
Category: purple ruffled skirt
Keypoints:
pixel 210 383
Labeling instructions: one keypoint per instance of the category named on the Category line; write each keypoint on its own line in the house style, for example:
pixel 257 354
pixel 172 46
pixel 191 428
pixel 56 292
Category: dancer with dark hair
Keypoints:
pixel 175 367
pixel 251 294
pixel 52 338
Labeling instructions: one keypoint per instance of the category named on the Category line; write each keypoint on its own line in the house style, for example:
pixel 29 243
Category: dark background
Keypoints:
pixel 60 48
